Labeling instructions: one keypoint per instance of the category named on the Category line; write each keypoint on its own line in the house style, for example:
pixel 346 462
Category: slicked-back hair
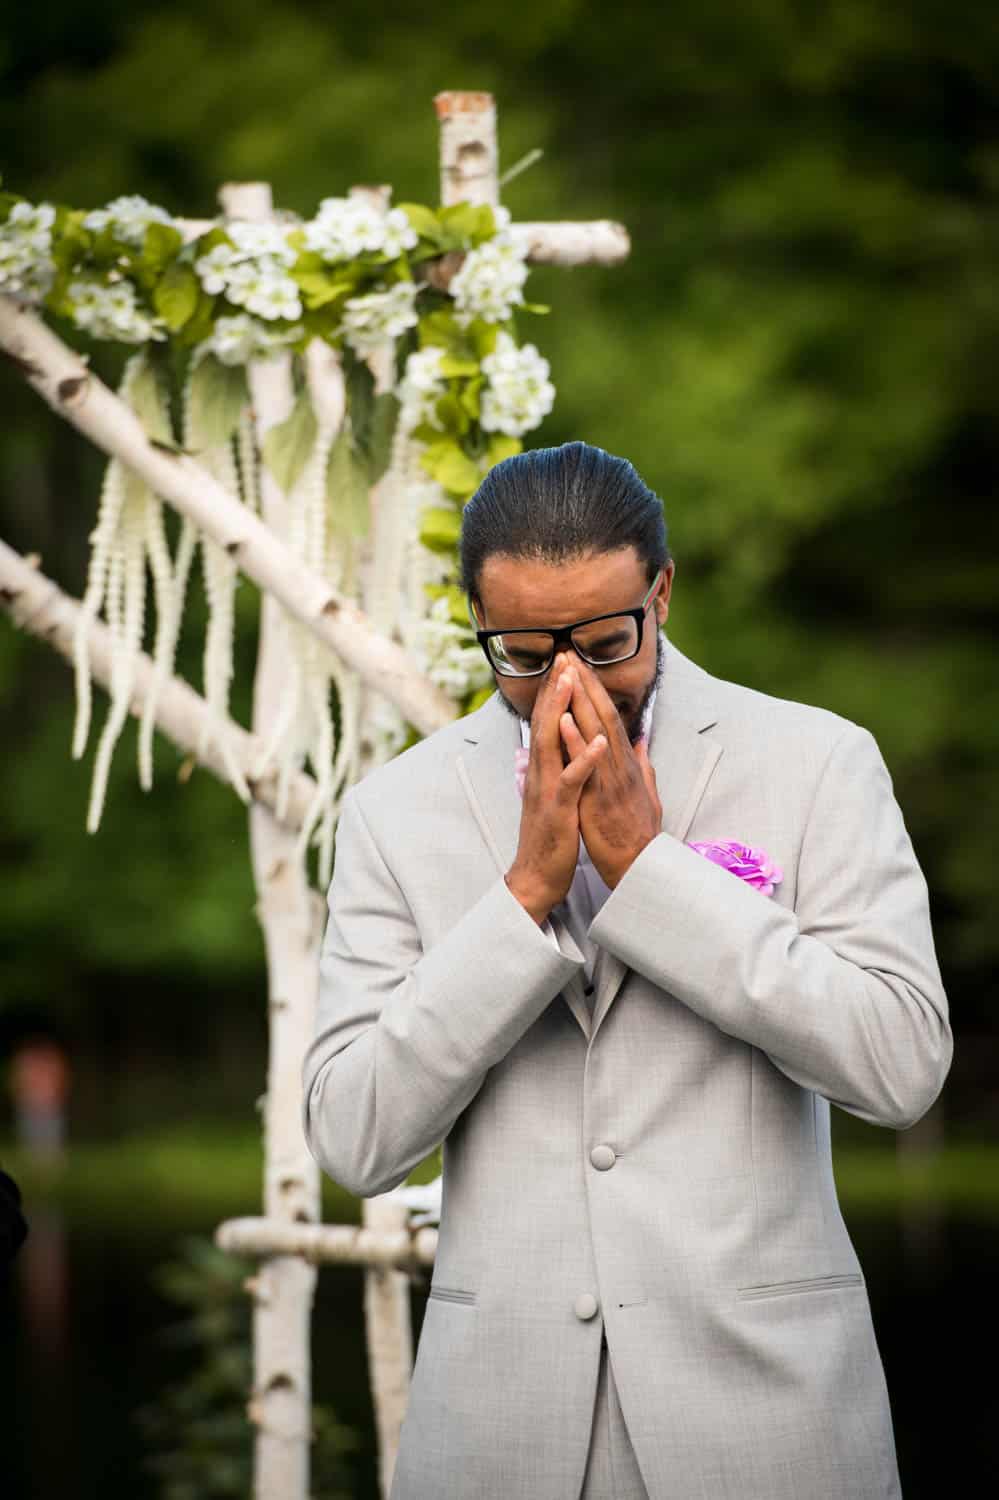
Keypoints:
pixel 557 504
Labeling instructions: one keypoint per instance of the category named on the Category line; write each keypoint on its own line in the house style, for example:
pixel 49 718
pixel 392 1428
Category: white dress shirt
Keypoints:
pixel 588 891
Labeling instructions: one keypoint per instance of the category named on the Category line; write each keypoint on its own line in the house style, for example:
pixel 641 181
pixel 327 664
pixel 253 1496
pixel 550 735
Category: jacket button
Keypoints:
pixel 585 1306
pixel 603 1158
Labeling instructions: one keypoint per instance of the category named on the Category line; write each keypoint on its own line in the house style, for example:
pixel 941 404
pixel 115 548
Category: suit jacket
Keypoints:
pixel 661 1168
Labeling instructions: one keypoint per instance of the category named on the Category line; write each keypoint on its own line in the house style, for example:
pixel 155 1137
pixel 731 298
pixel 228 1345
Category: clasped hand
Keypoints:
pixel 584 777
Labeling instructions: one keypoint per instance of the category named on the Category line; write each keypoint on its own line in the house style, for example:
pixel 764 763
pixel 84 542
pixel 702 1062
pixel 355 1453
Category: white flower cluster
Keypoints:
pixel 449 653
pixel 420 389
pixel 112 311
pixel 252 271
pixel 518 392
pixel 379 317
pixel 128 218
pixel 26 266
pixel 239 339
pixel 345 228
pixel 490 283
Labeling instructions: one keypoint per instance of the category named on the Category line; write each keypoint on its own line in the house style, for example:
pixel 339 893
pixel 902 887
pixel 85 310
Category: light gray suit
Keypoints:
pixel 704 1235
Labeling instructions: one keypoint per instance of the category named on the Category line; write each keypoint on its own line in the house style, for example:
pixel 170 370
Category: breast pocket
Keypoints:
pixel 452 1294
pixel 798 1288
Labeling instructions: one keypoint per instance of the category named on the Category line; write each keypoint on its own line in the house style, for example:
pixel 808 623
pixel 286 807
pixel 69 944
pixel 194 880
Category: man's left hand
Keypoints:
pixel 619 808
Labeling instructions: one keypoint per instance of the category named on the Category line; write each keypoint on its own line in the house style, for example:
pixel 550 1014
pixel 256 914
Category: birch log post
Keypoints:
pixel 63 379
pixel 388 1329
pixel 290 914
pixel 469 155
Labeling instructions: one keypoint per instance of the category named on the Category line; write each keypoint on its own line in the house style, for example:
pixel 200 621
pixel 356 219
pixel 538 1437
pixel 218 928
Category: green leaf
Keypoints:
pixel 439 328
pixel 218 395
pixel 480 696
pixel 175 297
pixel 470 397
pixel 541 308
pixel 384 416
pixel 324 286
pixel 160 245
pixel 466 224
pixel 360 385
pixel 347 488
pixel 424 221
pixel 440 528
pixel 72 242
pixel 322 322
pixel 201 322
pixel 452 468
pixel 286 447
pixel 453 365
pixel 483 336
pixel 146 398
pixel 452 415
pixel 456 598
pixel 208 241
pixel 500 446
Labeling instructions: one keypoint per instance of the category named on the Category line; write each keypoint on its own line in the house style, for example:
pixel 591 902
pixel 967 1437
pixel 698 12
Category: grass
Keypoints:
pixel 200 1175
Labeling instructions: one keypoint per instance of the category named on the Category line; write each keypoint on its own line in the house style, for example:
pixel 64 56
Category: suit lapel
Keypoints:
pixel 486 771
pixel 684 759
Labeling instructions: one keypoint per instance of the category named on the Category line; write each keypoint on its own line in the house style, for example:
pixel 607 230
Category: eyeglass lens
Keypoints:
pixel 522 653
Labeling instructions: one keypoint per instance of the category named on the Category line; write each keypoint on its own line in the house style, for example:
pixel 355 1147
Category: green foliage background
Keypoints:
pixel 800 356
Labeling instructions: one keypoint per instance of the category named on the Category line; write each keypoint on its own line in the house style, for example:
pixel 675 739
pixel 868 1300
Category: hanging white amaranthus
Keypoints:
pixel 371 282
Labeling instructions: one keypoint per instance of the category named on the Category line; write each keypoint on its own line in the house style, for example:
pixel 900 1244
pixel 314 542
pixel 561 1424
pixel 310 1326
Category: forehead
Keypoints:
pixel 523 591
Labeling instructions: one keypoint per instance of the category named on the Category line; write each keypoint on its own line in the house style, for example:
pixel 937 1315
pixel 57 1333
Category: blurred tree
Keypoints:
pixel 800 356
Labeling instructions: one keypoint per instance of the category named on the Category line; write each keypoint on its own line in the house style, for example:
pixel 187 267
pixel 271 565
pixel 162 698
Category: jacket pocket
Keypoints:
pixel 452 1294
pixel 792 1288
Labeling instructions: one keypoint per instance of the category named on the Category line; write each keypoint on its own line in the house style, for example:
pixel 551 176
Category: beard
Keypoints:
pixel 633 722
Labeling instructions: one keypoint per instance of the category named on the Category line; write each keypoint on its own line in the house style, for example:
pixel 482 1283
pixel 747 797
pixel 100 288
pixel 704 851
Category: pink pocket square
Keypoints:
pixel 754 866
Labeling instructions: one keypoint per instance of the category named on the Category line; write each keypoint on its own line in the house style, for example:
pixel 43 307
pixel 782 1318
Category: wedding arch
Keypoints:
pixel 315 400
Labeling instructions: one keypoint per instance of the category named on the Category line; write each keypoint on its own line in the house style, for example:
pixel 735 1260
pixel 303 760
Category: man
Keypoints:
pixel 644 1286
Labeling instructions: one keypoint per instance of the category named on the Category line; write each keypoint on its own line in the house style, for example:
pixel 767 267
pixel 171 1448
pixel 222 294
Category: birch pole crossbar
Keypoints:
pixel 63 380
pixel 331 1244
pixel 40 608
pixel 600 242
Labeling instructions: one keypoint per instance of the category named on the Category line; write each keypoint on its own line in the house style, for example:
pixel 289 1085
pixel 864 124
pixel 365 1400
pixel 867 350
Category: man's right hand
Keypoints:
pixel 548 851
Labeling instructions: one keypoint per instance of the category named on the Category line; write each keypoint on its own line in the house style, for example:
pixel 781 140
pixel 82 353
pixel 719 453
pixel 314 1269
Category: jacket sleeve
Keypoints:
pixel 405 1038
pixel 843 993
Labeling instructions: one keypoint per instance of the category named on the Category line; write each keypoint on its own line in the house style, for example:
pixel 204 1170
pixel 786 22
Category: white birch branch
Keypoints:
pixel 601 242
pixel 39 607
pixel 330 1244
pixel 63 380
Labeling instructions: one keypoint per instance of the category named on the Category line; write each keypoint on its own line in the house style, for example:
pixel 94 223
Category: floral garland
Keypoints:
pixel 419 305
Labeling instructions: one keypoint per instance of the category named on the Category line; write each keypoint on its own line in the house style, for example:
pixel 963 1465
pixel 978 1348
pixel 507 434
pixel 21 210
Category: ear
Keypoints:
pixel 662 599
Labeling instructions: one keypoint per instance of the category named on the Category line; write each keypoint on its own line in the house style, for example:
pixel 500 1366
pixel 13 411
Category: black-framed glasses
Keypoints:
pixel 601 641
